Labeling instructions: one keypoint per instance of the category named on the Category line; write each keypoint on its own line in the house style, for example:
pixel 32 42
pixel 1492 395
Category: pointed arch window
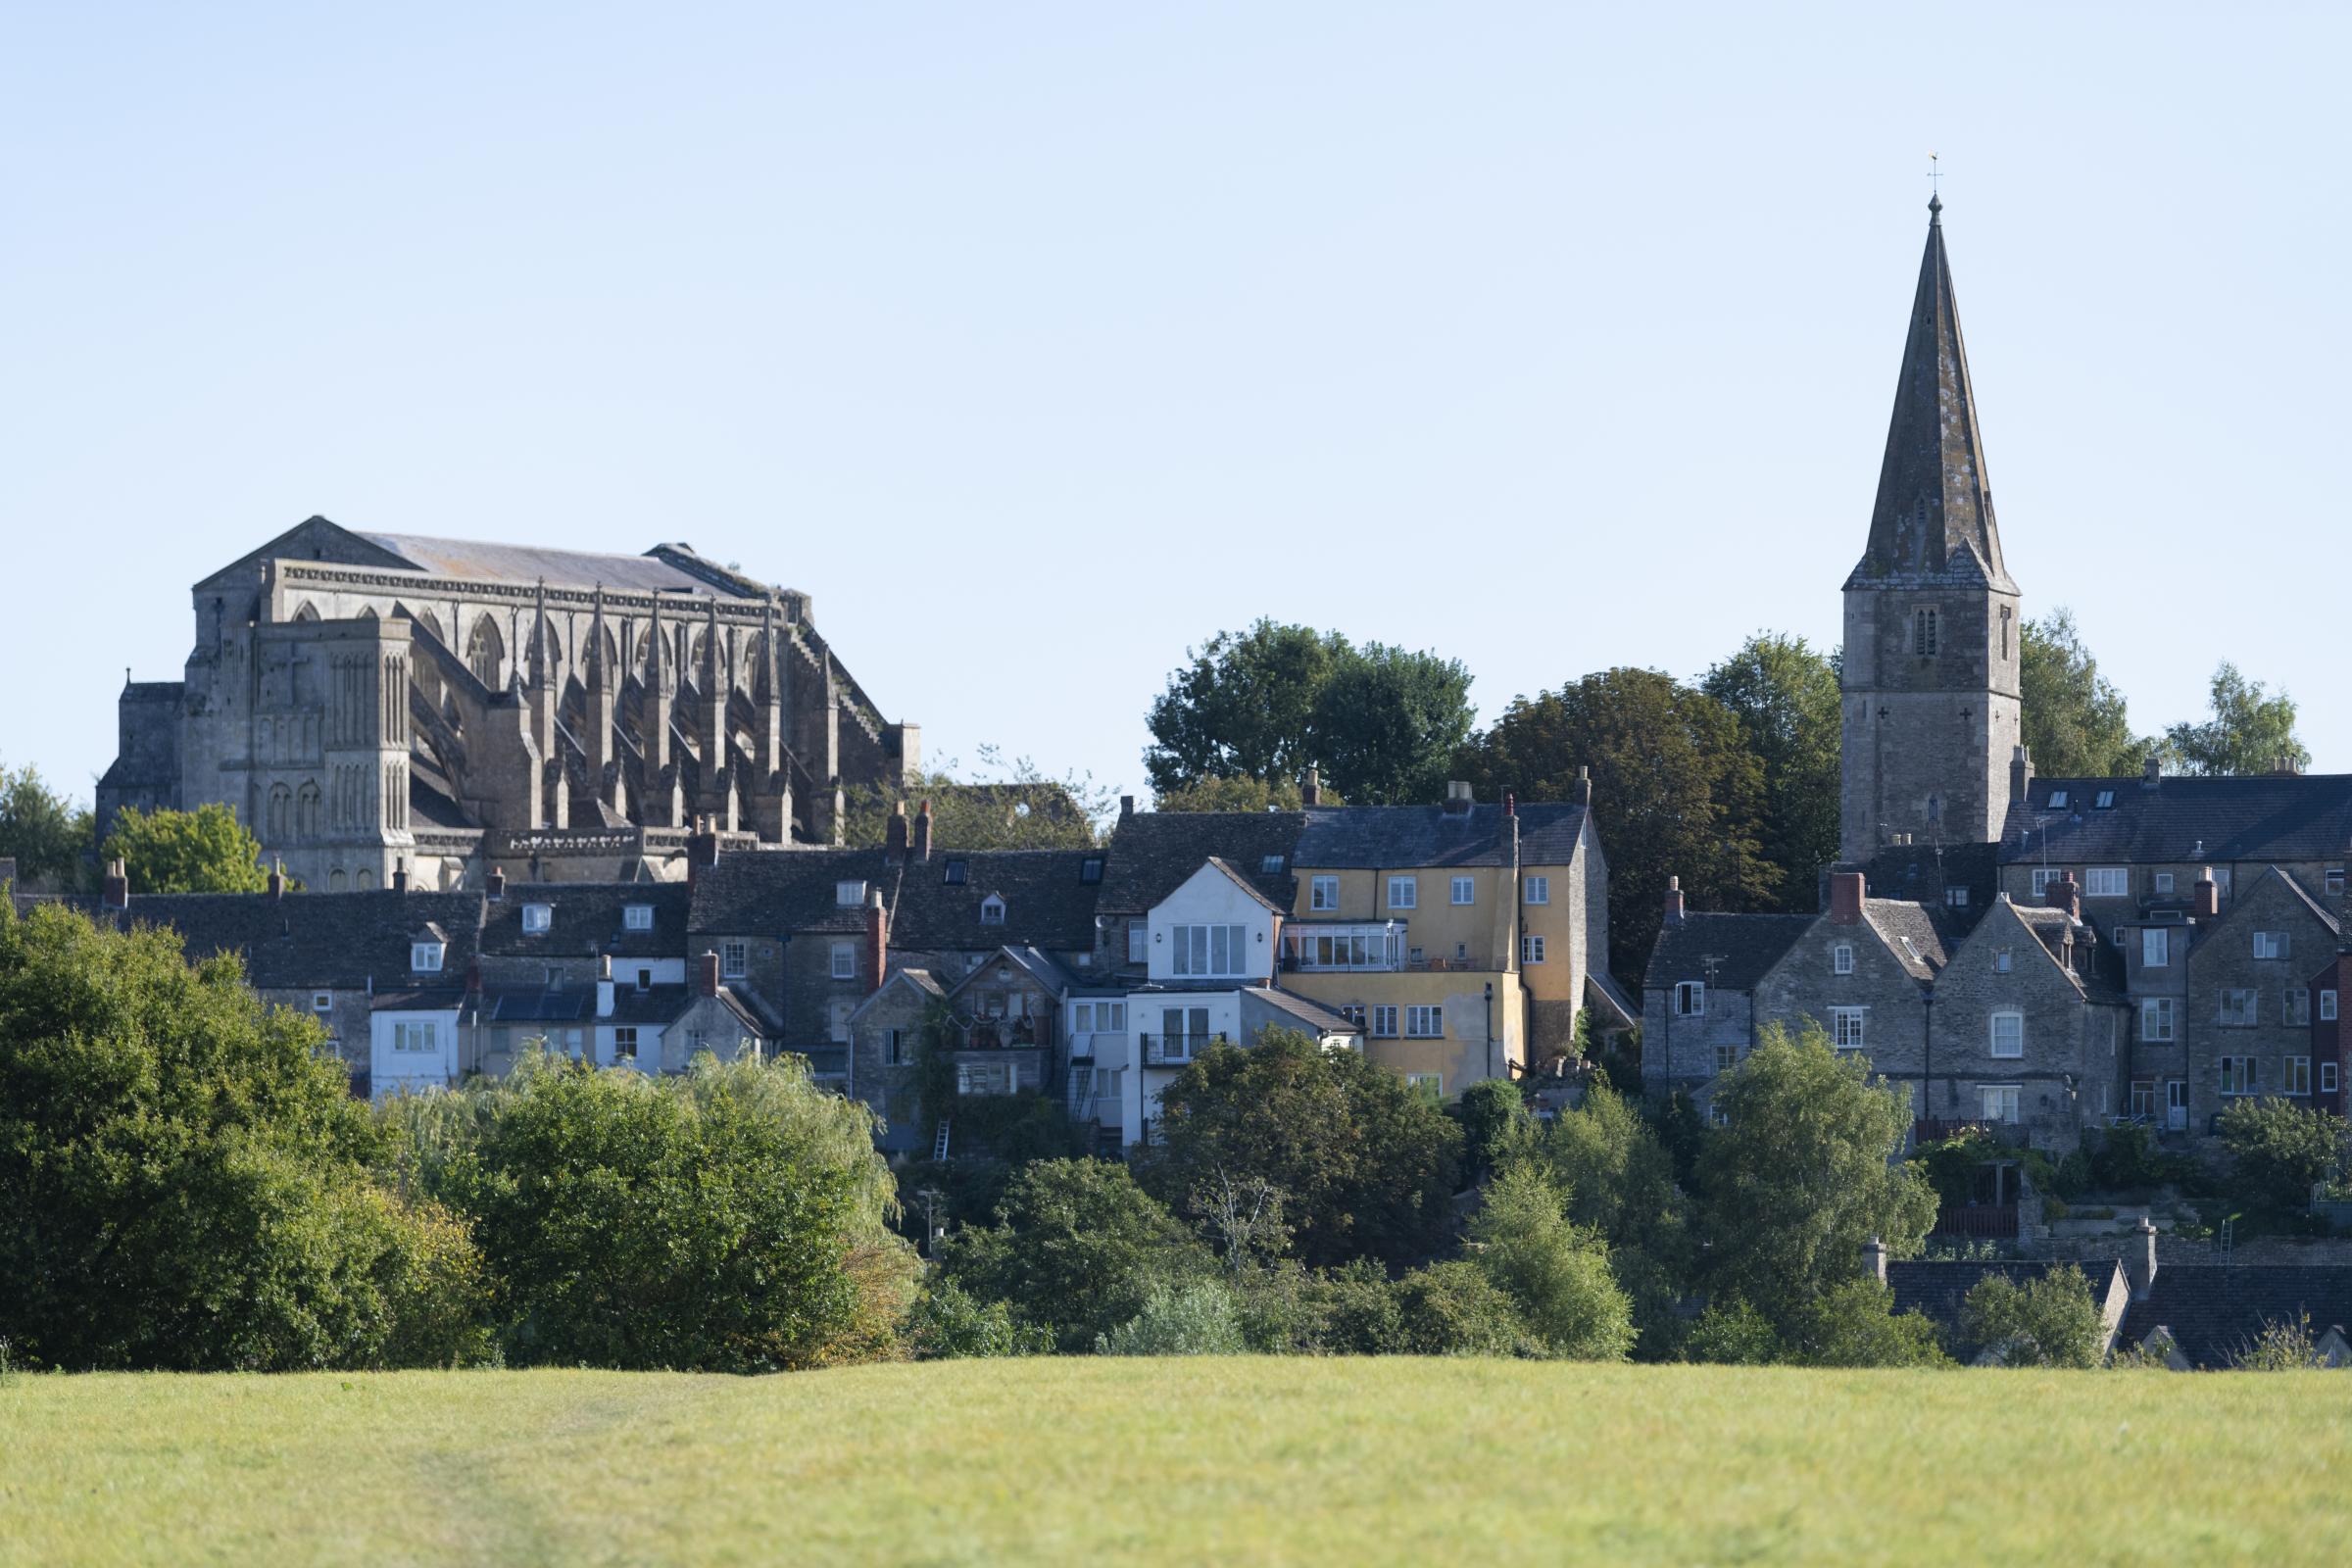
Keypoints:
pixel 282 812
pixel 306 811
pixel 1925 633
pixel 486 652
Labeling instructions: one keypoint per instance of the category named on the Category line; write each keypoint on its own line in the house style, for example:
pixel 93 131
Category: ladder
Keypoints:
pixel 939 1145
pixel 1082 1089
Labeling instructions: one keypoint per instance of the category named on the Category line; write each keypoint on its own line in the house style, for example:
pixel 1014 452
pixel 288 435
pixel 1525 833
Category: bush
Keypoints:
pixel 2048 1321
pixel 1855 1324
pixel 1557 1274
pixel 1077 1249
pixel 947 1324
pixel 2279 1150
pixel 1494 1116
pixel 2127 1161
pixel 1195 1319
pixel 2280 1347
pixel 1454 1310
pixel 186 1184
pixel 1732 1334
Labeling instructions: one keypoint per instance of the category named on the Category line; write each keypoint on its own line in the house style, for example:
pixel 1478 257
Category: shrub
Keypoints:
pixel 2048 1321
pixel 1732 1334
pixel 947 1324
pixel 1494 1115
pixel 186 1184
pixel 1855 1324
pixel 2280 1347
pixel 2127 1161
pixel 1195 1319
pixel 1557 1274
pixel 2279 1150
pixel 1454 1310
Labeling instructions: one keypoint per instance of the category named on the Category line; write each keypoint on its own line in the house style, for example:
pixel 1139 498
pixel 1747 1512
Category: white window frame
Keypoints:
pixel 2158 1021
pixel 1726 1055
pixel 2334 879
pixel 2107 882
pixel 1384 1020
pixel 1841 958
pixel 1193 950
pixel 2298 1072
pixel 1691 999
pixel 1323 893
pixel 2016 1037
pixel 1424 1020
pixel 1955 896
pixel 2004 961
pixel 2327 1076
pixel 2227 1000
pixel 1404 893
pixel 2058 800
pixel 2294 1007
pixel 2164 882
pixel 2327 1005
pixel 1431 1084
pixel 2002 1103
pixel 2270 944
pixel 2104 800
pixel 1139 942
pixel 991 910
pixel 322 1001
pixel 1539 890
pixel 1530 948
pixel 2240 1076
pixel 1463 891
pixel 849 895
pixel 424 958
pixel 2044 876
pixel 2155 946
pixel 624 1041
pixel 637 917
pixel 416 1037
pixel 2221 876
pixel 734 960
pixel 1848 1027
pixel 844 960
pixel 538 919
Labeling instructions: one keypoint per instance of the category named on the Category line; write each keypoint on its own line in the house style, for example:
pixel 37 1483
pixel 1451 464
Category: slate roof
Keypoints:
pixel 1920 872
pixel 1729 952
pixel 1939 1288
pixel 2299 816
pixel 2100 977
pixel 318 941
pixel 1915 933
pixel 1398 837
pixel 2213 1309
pixel 1039 967
pixel 1151 852
pixel 483 561
pixel 1321 1019
pixel 779 891
pixel 1048 902
pixel 587 917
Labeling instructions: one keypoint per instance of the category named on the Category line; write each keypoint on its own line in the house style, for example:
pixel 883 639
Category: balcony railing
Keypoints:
pixel 1173 1051
pixel 1978 1222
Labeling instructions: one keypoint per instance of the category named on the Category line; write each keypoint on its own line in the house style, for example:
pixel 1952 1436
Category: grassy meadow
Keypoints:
pixel 1097 1461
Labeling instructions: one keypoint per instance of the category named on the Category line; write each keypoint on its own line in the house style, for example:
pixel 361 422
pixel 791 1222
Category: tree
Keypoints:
pixel 2251 732
pixel 1557 1272
pixel 1791 1189
pixel 1732 1334
pixel 1197 1318
pixel 1495 1120
pixel 2074 722
pixel 43 831
pixel 1387 721
pixel 186 1181
pixel 1219 794
pixel 731 1220
pixel 1854 1323
pixel 1619 1179
pixel 1785 694
pixel 1076 1249
pixel 1367 1163
pixel 947 1324
pixel 2048 1321
pixel 2277 1149
pixel 1268 703
pixel 1008 804
pixel 1676 792
pixel 204 851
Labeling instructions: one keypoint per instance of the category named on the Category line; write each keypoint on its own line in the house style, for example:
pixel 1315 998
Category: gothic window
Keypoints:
pixel 486 652
pixel 281 809
pixel 306 812
pixel 1923 631
pixel 306 611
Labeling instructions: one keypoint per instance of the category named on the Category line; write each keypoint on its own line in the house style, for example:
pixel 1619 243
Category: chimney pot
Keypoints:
pixel 1674 901
pixel 1311 791
pixel 2207 895
pixel 894 832
pixel 878 940
pixel 116 893
pixel 1583 785
pixel 1845 898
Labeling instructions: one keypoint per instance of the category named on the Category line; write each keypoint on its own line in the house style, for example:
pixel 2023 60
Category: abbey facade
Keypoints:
pixel 376 706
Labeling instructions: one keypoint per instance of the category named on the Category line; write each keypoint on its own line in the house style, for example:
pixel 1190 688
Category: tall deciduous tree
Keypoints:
pixel 1676 792
pixel 204 851
pixel 1785 694
pixel 1801 1177
pixel 1217 792
pixel 2074 722
pixel 43 831
pixel 1387 721
pixel 1001 803
pixel 2251 732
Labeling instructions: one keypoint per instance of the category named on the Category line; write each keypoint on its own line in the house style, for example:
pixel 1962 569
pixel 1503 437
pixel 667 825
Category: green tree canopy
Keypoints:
pixel 43 831
pixel 186 1183
pixel 1619 1180
pixel 1556 1271
pixel 1676 792
pixel 204 851
pixel 1077 1249
pixel 2048 1321
pixel 1785 694
pixel 2252 730
pixel 1800 1178
pixel 1367 1163
pixel 2278 1148
pixel 1004 804
pixel 2074 722
pixel 1217 792
pixel 1266 703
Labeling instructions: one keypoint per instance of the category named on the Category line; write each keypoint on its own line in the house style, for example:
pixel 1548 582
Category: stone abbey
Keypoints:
pixel 374 703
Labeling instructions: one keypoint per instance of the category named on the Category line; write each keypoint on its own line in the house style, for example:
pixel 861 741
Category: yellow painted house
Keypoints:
pixel 1463 938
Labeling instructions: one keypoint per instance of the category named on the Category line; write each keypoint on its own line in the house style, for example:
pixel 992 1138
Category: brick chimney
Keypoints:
pixel 2207 895
pixel 922 832
pixel 1583 792
pixel 494 884
pixel 400 875
pixel 2064 893
pixel 1674 901
pixel 878 940
pixel 706 974
pixel 894 832
pixel 1874 1260
pixel 277 879
pixel 701 848
pixel 1845 898
pixel 1510 803
pixel 1310 793
pixel 2139 1258
pixel 115 892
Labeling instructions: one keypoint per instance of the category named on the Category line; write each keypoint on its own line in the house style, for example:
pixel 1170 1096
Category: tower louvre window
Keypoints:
pixel 1923 632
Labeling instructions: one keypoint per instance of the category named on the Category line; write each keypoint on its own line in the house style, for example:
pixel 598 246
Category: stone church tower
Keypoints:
pixel 1932 627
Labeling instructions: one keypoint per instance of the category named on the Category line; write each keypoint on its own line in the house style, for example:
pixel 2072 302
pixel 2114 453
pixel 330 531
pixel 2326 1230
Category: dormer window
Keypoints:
pixel 849 895
pixel 955 872
pixel 424 958
pixel 2104 800
pixel 537 918
pixel 2057 800
pixel 991 910
pixel 638 917
pixel 1089 869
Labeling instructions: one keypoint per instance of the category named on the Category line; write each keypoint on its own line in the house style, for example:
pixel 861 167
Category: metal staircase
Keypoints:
pixel 1082 1090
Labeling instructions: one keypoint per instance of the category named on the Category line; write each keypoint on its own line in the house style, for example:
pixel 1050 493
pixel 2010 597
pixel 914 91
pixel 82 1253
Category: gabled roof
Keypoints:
pixel 1727 951
pixel 1320 1019
pixel 1153 852
pixel 1915 933
pixel 587 917
pixel 2214 1309
pixel 919 981
pixel 2099 971
pixel 483 561
pixel 2285 816
pixel 1037 965
pixel 1402 837
pixel 1048 902
pixel 1933 514
pixel 2241 902
pixel 1923 872
pixel 318 941
pixel 1240 879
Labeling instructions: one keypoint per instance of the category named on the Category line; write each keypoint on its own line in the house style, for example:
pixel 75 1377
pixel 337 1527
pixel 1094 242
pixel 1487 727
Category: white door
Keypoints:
pixel 2176 1104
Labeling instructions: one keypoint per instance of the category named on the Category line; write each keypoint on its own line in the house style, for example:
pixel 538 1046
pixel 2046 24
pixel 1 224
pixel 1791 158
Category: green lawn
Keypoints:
pixel 1230 1461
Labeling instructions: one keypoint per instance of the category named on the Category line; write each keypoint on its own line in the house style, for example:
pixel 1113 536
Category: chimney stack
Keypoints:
pixel 1583 785
pixel 277 879
pixel 1510 803
pixel 2151 774
pixel 922 832
pixel 2020 772
pixel 2139 1258
pixel 701 848
pixel 894 832
pixel 1674 901
pixel 2208 895
pixel 1126 806
pixel 706 974
pixel 1458 796
pixel 400 875
pixel 1310 793
pixel 2065 893
pixel 1874 1260
pixel 115 893
pixel 878 940
pixel 494 884
pixel 1845 898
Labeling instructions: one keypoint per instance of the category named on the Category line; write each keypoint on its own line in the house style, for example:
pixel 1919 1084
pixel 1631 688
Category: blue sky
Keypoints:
pixel 1038 342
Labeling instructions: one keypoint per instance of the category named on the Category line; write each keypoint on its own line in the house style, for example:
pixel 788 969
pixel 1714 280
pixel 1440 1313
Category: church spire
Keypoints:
pixel 1933 517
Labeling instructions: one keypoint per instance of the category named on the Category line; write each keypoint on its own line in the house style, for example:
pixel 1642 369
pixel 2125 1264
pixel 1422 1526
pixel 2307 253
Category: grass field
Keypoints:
pixel 1227 1461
